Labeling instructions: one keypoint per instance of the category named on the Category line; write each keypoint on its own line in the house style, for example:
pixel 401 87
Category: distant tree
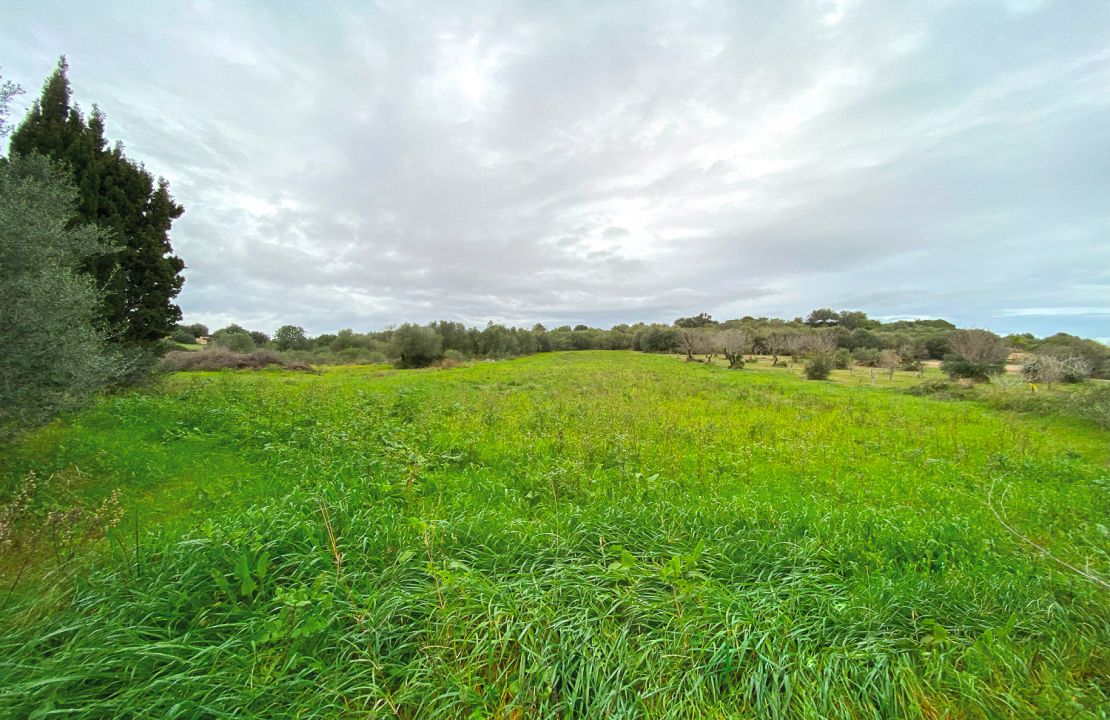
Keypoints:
pixel 819 343
pixel 850 320
pixel 1020 341
pixel 776 344
pixel 797 344
pixel 1075 369
pixel 976 355
pixel 866 357
pixel 234 338
pixel 416 346
pixel 889 360
pixel 8 90
pixel 183 336
pixel 734 344
pixel 259 337
pixel 688 341
pixel 290 337
pixel 656 338
pixel 455 337
pixel 53 357
pixel 937 347
pixel 196 329
pixel 864 338
pixel 141 276
pixel 1042 369
pixel 697 321
pixel 1063 346
pixel 823 317
pixel 707 343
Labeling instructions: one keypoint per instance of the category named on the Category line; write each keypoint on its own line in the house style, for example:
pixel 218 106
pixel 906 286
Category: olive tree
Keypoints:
pixel 889 360
pixel 797 344
pixel 53 355
pixel 707 343
pixel 416 346
pixel 775 343
pixel 688 341
pixel 734 343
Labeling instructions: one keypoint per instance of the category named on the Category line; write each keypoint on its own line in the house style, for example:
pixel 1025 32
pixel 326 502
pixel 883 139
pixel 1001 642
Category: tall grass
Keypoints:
pixel 566 535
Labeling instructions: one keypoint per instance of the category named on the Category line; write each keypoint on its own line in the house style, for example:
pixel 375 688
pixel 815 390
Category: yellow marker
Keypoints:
pixel 1033 387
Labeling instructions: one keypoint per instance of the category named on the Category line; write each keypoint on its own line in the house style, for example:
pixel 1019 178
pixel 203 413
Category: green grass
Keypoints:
pixel 571 535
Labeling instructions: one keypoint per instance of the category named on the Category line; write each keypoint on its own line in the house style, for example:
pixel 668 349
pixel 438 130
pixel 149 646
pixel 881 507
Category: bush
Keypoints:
pixel 976 355
pixel 183 336
pixel 939 389
pixel 867 357
pixel 911 364
pixel 819 368
pixel 1092 404
pixel 239 342
pixel 842 359
pixel 220 358
pixel 416 346
pixel 1042 369
pixel 1075 370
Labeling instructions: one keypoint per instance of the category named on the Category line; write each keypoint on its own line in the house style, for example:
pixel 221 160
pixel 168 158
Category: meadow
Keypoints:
pixel 567 535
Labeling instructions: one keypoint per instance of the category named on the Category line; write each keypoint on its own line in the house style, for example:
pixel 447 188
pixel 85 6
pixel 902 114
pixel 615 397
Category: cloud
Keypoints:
pixel 366 165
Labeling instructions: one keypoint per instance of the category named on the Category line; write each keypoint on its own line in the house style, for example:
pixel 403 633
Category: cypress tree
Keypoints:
pixel 142 276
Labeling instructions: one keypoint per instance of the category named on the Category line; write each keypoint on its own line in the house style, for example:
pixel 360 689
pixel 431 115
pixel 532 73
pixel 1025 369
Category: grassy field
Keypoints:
pixel 571 535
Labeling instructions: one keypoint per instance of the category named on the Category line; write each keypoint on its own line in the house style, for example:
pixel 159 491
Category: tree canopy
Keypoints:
pixel 141 276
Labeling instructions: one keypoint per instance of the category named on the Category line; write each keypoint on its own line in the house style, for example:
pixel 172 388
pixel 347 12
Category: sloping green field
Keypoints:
pixel 575 535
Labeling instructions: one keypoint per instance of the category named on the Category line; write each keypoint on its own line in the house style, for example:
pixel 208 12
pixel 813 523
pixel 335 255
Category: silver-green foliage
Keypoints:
pixel 52 356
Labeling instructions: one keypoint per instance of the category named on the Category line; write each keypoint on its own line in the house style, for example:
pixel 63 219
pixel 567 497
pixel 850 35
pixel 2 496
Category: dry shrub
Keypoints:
pixel 218 358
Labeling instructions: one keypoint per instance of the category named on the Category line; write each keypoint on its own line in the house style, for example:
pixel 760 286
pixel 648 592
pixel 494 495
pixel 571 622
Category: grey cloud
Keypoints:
pixel 361 166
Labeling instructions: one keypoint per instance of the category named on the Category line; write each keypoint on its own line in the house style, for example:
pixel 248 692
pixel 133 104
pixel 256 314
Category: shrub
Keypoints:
pixel 911 364
pixel 416 346
pixel 1092 403
pixel 842 359
pixel 976 355
pixel 819 367
pixel 867 357
pixel 239 342
pixel 1042 369
pixel 183 336
pixel 1075 370
pixel 220 358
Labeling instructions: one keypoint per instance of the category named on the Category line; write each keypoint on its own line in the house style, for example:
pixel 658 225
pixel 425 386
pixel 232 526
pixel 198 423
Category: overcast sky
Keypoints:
pixel 359 165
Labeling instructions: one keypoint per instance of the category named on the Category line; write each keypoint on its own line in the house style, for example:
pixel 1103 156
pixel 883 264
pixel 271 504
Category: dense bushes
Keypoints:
pixel 1049 369
pixel 849 338
pixel 976 355
pixel 819 367
pixel 219 358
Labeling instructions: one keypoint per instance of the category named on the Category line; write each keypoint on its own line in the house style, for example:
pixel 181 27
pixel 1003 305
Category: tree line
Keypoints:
pixel 87 273
pixel 88 280
pixel 823 341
